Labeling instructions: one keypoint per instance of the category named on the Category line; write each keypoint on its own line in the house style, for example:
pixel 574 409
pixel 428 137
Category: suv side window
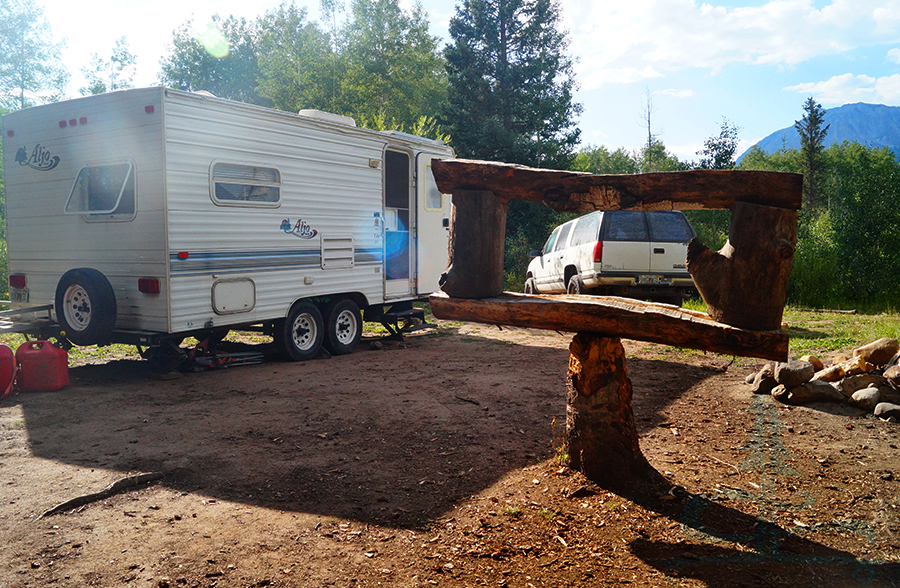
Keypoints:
pixel 585 229
pixel 624 226
pixel 548 246
pixel 669 226
pixel 563 235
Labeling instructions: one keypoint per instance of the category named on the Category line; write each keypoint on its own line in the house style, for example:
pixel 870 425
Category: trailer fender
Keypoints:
pixel 85 306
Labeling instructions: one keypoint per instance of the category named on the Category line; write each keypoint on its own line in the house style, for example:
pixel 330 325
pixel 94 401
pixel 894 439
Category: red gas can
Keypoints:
pixel 8 370
pixel 42 367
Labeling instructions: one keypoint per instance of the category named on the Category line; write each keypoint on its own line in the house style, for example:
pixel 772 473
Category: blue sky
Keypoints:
pixel 754 63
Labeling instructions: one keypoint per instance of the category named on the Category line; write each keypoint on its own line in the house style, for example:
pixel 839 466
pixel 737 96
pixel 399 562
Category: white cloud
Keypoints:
pixel 894 55
pixel 853 88
pixel 664 36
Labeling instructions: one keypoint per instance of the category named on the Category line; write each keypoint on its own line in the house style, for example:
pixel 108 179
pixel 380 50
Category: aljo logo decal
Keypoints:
pixel 40 159
pixel 301 229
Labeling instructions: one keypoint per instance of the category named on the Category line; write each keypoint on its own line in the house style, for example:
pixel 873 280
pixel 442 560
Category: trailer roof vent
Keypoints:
pixel 328 116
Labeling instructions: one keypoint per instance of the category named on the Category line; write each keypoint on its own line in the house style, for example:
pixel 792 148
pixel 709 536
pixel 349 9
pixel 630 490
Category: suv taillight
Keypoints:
pixel 17 281
pixel 598 252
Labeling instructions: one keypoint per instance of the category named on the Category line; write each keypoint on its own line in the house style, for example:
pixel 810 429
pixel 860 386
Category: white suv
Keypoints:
pixel 622 253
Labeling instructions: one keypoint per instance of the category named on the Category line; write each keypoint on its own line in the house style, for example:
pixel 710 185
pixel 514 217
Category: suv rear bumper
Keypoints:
pixel 633 281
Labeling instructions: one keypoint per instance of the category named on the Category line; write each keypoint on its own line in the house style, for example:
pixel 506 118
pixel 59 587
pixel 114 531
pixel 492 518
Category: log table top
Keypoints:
pixel 615 317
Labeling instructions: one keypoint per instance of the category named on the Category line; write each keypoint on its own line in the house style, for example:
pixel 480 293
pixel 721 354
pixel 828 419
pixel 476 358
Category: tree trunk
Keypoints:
pixel 477 233
pixel 602 438
pixel 745 283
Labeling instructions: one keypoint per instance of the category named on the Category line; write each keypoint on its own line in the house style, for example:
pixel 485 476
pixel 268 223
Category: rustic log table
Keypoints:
pixel 744 285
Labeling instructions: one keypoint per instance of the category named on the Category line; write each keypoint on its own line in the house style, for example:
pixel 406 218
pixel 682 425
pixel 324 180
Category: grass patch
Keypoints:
pixel 823 333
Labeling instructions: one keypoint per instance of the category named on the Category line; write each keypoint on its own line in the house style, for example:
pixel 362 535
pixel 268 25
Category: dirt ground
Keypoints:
pixel 437 462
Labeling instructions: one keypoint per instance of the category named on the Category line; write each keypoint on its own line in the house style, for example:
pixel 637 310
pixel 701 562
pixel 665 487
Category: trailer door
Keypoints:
pixel 399 225
pixel 433 227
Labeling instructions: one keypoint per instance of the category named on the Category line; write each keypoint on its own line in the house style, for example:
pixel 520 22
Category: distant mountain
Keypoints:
pixel 872 125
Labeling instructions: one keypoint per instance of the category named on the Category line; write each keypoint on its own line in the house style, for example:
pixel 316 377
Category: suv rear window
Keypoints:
pixel 669 227
pixel 585 229
pixel 624 226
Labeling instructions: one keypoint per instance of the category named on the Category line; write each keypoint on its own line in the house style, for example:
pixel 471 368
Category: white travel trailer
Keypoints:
pixel 151 214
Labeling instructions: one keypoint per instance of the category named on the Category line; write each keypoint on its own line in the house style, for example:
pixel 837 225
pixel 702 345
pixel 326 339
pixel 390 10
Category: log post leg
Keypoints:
pixel 477 233
pixel 745 283
pixel 600 430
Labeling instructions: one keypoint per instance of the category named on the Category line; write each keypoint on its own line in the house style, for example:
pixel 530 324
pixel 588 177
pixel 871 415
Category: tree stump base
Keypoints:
pixel 600 431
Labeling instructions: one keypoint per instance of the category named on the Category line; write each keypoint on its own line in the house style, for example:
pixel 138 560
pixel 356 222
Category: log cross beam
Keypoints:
pixel 744 286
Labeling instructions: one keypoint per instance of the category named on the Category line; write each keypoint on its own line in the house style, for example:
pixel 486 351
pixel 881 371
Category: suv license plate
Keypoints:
pixel 651 279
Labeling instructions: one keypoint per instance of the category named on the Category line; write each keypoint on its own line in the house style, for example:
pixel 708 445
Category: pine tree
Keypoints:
pixel 511 83
pixel 812 141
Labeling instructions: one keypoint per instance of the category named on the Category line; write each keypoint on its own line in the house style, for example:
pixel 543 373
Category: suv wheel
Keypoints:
pixel 530 286
pixel 574 286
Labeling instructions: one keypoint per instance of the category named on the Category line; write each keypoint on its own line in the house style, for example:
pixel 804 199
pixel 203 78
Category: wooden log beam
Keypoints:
pixel 566 191
pixel 745 283
pixel 615 317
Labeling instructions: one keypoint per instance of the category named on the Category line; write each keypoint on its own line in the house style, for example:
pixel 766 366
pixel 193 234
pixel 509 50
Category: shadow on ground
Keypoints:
pixel 394 437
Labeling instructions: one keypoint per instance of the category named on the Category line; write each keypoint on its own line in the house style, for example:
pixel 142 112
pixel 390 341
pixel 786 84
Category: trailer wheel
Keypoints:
pixel 299 337
pixel 343 326
pixel 86 307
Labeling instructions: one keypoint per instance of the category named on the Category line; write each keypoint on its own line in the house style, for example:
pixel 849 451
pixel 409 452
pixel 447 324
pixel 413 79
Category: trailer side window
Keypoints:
pixel 434 200
pixel 103 191
pixel 245 184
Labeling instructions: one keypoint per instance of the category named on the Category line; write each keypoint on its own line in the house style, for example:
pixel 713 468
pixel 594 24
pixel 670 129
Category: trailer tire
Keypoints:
pixel 85 307
pixel 343 326
pixel 299 336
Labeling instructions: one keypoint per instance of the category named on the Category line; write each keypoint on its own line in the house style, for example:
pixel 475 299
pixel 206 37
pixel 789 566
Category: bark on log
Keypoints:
pixel 745 283
pixel 602 440
pixel 615 317
pixel 566 191
pixel 477 233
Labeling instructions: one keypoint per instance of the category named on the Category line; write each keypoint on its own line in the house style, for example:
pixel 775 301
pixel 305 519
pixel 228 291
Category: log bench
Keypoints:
pixel 744 285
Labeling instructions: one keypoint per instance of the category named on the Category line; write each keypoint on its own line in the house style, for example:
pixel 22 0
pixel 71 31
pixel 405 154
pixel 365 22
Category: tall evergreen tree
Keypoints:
pixel 511 83
pixel 812 141
pixel 30 71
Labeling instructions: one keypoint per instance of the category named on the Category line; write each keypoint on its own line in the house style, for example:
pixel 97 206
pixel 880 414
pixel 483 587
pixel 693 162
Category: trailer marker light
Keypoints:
pixel 62 124
pixel 17 281
pixel 182 255
pixel 149 109
pixel 82 120
pixel 73 122
pixel 148 285
pixel 9 133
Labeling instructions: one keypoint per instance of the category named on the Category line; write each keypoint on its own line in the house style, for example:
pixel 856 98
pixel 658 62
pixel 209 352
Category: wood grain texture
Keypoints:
pixel 745 283
pixel 615 317
pixel 477 235
pixel 567 191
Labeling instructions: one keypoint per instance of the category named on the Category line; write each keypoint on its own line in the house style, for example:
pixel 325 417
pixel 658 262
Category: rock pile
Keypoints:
pixel 869 380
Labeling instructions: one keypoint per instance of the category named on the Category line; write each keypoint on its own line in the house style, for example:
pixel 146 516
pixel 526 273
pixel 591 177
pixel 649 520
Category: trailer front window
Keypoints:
pixel 103 191
pixel 245 184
